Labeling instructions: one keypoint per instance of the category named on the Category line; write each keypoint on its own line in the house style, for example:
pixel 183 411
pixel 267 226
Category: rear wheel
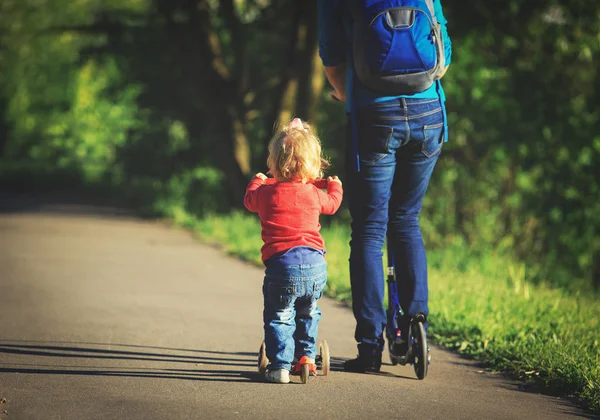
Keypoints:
pixel 263 362
pixel 420 351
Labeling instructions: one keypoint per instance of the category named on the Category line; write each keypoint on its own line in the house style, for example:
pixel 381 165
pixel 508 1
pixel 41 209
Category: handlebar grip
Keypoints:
pixel 320 183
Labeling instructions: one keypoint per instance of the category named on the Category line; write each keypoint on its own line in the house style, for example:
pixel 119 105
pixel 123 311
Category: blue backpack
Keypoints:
pixel 398 47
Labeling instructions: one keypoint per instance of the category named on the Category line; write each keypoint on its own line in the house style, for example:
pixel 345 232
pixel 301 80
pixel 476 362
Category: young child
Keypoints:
pixel 289 205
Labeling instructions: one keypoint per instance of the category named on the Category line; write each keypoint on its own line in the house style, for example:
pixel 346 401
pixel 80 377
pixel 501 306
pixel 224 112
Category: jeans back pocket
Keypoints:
pixel 280 295
pixel 374 142
pixel 318 287
pixel 432 139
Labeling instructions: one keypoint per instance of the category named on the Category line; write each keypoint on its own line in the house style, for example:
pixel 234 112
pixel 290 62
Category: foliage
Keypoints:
pixel 144 94
pixel 63 109
pixel 524 118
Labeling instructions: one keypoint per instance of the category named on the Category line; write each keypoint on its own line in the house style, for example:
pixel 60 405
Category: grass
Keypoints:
pixel 481 305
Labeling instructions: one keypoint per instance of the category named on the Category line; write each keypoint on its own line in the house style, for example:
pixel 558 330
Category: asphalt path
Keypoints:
pixel 106 316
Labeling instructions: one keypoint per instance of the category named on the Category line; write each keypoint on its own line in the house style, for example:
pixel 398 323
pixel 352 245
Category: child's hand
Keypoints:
pixel 334 179
pixel 261 176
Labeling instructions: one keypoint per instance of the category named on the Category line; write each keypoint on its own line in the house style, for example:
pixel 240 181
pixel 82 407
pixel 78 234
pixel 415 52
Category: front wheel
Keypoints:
pixel 325 360
pixel 305 373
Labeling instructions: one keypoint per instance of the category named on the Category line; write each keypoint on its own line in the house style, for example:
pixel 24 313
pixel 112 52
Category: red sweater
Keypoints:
pixel 289 212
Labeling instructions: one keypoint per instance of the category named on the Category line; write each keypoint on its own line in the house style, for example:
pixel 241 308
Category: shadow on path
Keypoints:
pixel 82 352
pixel 104 351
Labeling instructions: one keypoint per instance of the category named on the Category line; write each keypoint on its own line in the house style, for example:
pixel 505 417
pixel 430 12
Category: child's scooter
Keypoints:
pixel 413 349
pixel 322 361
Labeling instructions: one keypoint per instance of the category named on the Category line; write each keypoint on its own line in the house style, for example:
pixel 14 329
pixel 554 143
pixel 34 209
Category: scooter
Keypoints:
pixel 413 349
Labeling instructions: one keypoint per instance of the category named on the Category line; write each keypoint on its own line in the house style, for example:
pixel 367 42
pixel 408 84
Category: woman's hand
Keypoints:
pixel 336 76
pixel 337 96
pixel 261 176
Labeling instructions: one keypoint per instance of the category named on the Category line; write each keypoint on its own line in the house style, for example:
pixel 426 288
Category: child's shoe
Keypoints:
pixel 304 360
pixel 278 376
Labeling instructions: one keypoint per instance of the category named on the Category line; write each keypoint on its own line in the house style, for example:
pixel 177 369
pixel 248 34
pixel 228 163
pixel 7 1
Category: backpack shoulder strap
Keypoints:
pixel 432 11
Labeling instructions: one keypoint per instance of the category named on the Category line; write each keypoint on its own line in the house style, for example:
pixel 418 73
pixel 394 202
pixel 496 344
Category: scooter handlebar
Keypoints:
pixel 319 183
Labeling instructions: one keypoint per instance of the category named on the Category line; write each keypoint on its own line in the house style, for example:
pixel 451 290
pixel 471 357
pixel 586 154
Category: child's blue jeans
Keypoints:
pixel 291 315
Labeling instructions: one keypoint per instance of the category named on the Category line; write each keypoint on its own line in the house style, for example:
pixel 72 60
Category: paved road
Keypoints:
pixel 110 317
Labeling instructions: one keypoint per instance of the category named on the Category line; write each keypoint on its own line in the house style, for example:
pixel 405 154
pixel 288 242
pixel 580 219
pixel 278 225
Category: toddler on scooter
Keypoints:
pixel 289 205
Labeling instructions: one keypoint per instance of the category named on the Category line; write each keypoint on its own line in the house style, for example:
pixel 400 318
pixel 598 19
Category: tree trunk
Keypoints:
pixel 284 90
pixel 223 124
pixel 307 42
pixel 3 128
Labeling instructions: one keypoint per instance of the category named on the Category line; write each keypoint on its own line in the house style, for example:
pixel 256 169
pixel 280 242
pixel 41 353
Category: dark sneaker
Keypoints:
pixel 363 364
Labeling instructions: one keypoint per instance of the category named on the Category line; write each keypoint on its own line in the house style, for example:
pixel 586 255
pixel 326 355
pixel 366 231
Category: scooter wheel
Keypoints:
pixel 325 359
pixel 263 362
pixel 420 351
pixel 305 373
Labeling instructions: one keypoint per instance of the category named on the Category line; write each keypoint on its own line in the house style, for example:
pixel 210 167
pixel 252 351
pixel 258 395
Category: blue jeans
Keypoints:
pixel 291 315
pixel 399 142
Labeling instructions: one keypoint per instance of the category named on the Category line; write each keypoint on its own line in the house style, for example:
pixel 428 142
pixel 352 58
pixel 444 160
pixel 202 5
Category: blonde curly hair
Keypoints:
pixel 295 154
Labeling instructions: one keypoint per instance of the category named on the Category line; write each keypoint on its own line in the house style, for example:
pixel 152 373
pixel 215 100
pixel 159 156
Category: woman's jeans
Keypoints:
pixel 291 315
pixel 399 142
